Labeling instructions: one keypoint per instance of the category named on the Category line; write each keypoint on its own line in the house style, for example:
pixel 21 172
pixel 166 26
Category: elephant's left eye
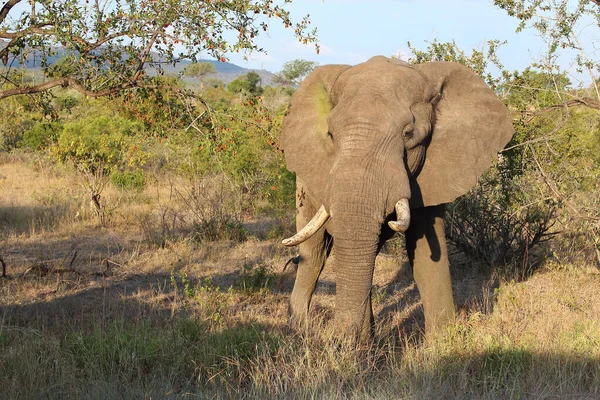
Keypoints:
pixel 407 133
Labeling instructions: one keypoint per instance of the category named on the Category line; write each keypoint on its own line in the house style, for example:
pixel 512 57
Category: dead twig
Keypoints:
pixel 3 267
pixel 109 264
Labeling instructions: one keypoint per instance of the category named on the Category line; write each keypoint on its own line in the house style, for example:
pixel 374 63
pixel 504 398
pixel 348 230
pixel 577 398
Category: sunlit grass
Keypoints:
pixel 130 317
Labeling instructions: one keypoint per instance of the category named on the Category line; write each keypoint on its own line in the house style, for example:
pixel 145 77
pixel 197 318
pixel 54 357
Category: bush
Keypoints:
pixel 97 146
pixel 215 206
pixel 220 227
pixel 491 224
pixel 256 278
pixel 42 135
pixel 129 180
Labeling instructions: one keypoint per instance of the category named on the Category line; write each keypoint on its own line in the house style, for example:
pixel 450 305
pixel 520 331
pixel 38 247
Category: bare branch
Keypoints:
pixel 554 189
pixel 583 101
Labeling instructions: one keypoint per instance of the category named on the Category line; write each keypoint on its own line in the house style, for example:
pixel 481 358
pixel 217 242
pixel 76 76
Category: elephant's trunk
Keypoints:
pixel 355 248
pixel 360 202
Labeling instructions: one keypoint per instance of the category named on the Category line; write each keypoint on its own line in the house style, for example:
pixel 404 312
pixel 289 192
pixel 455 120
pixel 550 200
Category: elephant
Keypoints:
pixel 378 148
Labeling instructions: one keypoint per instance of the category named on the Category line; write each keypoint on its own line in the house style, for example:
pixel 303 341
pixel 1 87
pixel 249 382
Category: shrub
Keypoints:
pixel 97 146
pixel 129 180
pixel 41 135
pixel 219 227
pixel 256 278
pixel 492 224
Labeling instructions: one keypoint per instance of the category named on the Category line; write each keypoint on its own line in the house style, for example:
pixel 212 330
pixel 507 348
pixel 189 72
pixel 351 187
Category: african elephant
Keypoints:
pixel 381 147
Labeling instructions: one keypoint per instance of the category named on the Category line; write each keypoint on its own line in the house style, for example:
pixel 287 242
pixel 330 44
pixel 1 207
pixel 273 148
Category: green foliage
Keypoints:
pixel 280 189
pixel 42 135
pixel 161 112
pixel 256 278
pixel 63 68
pixel 293 72
pixel 220 227
pixel 106 48
pixel 134 180
pixel 199 70
pixel 246 84
pixel 276 98
pixel 99 143
pixel 240 140
pixel 97 146
pixel 15 121
pixel 478 61
pixel 213 83
pixel 66 102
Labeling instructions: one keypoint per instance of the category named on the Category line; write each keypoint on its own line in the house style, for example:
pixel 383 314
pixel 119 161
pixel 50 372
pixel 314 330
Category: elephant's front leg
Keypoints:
pixel 428 255
pixel 312 257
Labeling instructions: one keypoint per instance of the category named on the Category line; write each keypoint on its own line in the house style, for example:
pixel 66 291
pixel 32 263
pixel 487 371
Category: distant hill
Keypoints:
pixel 225 71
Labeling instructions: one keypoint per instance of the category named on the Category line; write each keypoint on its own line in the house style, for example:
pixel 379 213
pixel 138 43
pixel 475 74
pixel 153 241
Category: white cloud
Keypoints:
pixel 401 54
pixel 257 56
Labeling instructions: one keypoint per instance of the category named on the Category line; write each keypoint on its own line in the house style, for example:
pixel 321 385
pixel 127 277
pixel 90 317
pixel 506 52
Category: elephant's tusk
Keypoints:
pixel 310 229
pixel 402 216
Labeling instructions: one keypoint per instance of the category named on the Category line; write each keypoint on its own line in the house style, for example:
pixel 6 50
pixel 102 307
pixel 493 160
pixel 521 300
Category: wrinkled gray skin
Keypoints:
pixel 361 138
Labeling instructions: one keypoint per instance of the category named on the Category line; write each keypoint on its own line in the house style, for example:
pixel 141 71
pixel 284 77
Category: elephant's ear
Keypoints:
pixel 471 126
pixel 304 136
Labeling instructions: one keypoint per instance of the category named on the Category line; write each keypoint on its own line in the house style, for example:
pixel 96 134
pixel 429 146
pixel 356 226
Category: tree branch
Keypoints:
pixel 62 82
pixel 6 8
pixel 69 82
pixel 140 69
pixel 552 186
pixel 37 28
pixel 583 101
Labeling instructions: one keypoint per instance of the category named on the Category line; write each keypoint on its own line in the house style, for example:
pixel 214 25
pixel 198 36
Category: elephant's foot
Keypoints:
pixel 439 317
pixel 349 330
pixel 356 325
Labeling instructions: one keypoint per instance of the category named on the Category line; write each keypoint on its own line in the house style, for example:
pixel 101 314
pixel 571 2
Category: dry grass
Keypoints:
pixel 143 309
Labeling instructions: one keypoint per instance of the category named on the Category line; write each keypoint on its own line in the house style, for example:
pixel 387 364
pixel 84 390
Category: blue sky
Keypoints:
pixel 352 31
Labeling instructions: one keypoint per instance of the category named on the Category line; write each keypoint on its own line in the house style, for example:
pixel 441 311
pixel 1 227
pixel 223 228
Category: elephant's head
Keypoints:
pixel 369 139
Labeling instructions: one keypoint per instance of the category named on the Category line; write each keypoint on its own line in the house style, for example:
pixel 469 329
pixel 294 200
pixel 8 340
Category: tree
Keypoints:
pixel 478 61
pixel 108 46
pixel 561 23
pixel 248 84
pixel 293 72
pixel 200 70
pixel 559 135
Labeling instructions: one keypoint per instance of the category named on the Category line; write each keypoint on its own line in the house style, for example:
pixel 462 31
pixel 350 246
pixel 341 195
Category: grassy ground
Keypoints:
pixel 144 309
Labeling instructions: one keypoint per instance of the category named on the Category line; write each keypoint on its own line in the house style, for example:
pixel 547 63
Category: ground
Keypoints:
pixel 216 311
